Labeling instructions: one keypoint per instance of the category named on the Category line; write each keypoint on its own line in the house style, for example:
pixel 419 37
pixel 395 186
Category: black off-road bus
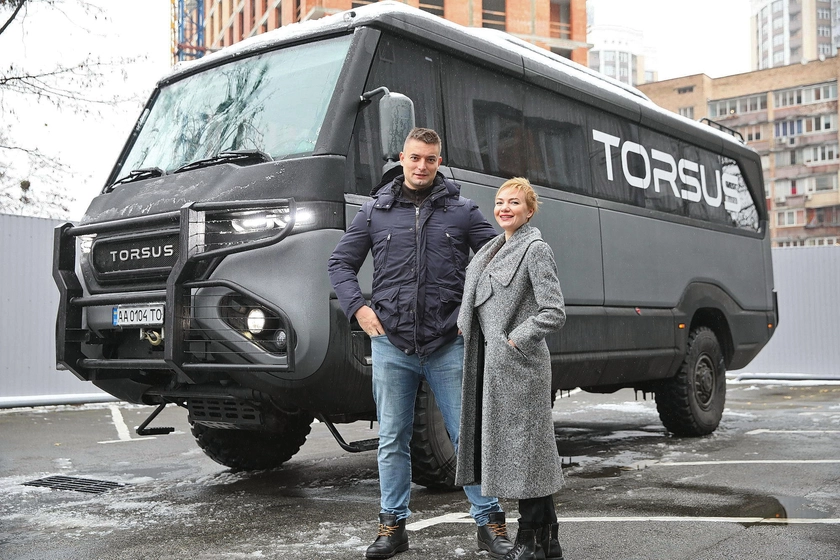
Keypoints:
pixel 197 278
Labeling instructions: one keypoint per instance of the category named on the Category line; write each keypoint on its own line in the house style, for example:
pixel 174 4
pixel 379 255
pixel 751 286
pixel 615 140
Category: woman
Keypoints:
pixel 512 300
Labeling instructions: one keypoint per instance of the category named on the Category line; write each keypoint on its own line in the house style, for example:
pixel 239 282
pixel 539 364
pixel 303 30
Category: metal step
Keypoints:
pixel 142 430
pixel 354 446
pixel 364 445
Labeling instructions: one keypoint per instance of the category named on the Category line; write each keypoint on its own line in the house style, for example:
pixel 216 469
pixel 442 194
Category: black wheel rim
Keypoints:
pixel 704 381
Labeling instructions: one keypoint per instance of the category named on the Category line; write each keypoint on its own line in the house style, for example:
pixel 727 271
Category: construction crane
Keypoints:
pixel 187 30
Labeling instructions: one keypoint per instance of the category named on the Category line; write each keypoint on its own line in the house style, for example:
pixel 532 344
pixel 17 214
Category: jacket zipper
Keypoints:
pixel 452 249
pixel 416 271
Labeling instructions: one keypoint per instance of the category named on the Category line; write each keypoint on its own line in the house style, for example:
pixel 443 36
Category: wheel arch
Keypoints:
pixel 715 319
pixel 708 305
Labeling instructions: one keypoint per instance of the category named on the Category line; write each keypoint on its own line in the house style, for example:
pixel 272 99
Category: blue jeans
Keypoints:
pixel 396 378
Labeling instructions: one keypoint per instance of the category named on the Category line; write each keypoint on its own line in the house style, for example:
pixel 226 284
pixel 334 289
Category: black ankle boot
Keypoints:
pixel 392 537
pixel 550 543
pixel 493 536
pixel 525 547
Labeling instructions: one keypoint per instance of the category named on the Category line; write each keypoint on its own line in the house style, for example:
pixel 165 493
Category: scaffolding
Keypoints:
pixel 187 30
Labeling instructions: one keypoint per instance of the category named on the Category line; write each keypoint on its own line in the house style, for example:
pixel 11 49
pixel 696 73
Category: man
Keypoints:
pixel 420 231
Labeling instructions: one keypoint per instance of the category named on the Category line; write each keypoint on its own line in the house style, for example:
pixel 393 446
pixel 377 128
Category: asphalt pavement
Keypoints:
pixel 77 483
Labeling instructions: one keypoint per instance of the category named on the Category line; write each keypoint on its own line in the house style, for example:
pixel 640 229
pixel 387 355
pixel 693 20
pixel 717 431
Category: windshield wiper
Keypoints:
pixel 239 157
pixel 137 175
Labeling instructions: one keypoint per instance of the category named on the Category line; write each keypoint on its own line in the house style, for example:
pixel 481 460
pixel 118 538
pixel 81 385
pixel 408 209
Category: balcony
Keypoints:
pixel 784 143
pixel 822 199
pixel 559 30
pixel 735 120
pixel 820 167
pixel 761 146
pixel 493 20
pixel 805 110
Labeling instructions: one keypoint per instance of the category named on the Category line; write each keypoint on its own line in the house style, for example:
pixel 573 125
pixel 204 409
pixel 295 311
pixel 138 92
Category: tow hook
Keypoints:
pixel 153 337
pixel 142 430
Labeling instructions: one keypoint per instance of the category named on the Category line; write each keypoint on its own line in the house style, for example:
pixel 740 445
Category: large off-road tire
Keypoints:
pixel 691 402
pixel 252 450
pixel 433 457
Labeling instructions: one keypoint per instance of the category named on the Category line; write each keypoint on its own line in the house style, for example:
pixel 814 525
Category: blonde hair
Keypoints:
pixel 524 187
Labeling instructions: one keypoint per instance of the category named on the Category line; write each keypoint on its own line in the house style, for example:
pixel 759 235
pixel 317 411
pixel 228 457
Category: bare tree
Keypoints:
pixel 33 182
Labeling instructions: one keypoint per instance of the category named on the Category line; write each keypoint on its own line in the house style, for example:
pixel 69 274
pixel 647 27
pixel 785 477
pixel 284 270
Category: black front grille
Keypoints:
pixel 139 253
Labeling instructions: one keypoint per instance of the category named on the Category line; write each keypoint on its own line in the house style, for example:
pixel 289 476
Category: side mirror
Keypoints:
pixel 396 119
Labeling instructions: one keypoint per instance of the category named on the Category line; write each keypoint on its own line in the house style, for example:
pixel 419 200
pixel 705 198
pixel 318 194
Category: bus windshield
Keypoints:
pixel 274 102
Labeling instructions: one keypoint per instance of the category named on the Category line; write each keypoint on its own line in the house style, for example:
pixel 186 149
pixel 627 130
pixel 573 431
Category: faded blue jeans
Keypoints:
pixel 396 378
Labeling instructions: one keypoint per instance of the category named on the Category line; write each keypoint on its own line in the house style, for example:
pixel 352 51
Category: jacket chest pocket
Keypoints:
pixel 444 256
pixel 381 247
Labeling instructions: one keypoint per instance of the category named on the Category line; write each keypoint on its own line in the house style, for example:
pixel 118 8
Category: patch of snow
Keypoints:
pixel 648 407
pixel 730 413
pixel 627 434
pixel 71 407
pixel 770 381
pixel 63 463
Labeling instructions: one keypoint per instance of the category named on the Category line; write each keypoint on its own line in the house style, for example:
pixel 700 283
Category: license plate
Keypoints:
pixel 141 315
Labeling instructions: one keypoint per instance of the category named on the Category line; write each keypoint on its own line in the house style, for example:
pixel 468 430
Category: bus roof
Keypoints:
pixel 495 46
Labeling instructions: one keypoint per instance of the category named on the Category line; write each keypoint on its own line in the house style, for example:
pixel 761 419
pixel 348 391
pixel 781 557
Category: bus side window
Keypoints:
pixel 500 137
pixel 610 171
pixel 664 192
pixel 401 67
pixel 556 142
pixel 485 130
pixel 746 216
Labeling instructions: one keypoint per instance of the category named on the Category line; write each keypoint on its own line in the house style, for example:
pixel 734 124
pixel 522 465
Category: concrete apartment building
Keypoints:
pixel 557 25
pixel 619 52
pixel 789 115
pixel 789 31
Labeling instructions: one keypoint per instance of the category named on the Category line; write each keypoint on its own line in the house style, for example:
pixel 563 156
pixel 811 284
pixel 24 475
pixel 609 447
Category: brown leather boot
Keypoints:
pixel 391 539
pixel 493 536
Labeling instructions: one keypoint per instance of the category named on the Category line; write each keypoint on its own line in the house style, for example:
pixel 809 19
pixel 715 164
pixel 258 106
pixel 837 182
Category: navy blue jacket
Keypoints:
pixel 419 259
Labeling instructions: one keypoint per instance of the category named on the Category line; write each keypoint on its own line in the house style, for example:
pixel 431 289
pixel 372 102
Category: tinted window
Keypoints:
pixel 507 128
pixel 608 166
pixel 401 67
pixel 501 126
pixel 484 129
pixel 664 191
pixel 662 173
pixel 556 141
pixel 745 215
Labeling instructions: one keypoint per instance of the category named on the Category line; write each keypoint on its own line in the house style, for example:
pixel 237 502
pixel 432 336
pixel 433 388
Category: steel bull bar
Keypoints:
pixel 185 276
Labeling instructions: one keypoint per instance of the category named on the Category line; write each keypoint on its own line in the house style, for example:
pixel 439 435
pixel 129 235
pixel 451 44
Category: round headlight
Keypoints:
pixel 280 340
pixel 256 321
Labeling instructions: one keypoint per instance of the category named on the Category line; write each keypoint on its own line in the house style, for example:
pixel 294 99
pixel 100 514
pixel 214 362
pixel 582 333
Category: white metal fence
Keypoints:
pixel 806 343
pixel 28 303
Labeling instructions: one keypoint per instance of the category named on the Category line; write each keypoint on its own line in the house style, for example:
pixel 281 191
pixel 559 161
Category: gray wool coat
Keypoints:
pixel 507 434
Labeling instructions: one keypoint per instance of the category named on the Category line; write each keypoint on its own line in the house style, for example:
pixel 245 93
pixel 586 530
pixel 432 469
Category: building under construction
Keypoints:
pixel 557 25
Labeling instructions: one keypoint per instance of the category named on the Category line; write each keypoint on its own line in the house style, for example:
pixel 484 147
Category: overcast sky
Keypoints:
pixel 45 37
pixel 709 37
pixel 690 37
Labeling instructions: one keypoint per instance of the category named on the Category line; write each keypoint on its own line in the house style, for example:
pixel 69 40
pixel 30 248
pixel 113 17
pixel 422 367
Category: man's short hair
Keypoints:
pixel 425 135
